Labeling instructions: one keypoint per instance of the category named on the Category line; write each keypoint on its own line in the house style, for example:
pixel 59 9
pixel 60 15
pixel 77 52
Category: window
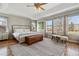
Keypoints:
pixel 3 21
pixel 73 24
pixel 33 26
pixel 58 26
pixel 3 24
pixel 0 22
pixel 49 26
pixel 40 26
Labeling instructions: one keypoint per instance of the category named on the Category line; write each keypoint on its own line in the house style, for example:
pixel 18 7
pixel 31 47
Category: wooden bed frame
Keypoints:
pixel 30 39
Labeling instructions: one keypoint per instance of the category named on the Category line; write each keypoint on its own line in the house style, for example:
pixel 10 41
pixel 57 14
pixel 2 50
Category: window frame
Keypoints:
pixel 51 27
pixel 71 15
pixel 61 18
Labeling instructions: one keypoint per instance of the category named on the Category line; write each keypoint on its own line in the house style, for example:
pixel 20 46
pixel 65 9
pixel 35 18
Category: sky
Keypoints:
pixel 74 19
pixel 49 22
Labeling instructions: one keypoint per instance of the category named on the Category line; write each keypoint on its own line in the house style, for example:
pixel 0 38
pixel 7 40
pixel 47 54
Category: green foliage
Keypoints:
pixel 41 25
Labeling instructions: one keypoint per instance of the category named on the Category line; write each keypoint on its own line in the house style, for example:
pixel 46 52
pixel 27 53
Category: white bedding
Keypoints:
pixel 20 36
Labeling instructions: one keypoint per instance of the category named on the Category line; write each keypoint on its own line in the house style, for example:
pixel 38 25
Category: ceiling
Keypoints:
pixel 21 9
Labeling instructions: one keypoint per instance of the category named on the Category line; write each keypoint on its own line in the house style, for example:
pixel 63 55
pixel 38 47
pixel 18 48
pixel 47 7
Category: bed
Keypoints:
pixel 22 34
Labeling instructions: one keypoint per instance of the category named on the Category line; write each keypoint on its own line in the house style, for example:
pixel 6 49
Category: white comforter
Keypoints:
pixel 21 35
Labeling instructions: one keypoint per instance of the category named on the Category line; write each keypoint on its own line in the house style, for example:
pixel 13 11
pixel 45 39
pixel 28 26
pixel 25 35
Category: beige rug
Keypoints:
pixel 47 47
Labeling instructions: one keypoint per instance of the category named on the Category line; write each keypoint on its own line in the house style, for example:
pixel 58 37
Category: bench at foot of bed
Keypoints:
pixel 33 39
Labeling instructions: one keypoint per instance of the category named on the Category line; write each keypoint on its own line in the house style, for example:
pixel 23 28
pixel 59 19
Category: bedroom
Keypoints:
pixel 26 28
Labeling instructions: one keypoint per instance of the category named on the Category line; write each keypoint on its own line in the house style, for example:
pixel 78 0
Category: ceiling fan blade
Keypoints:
pixel 39 4
pixel 29 5
pixel 43 3
pixel 42 8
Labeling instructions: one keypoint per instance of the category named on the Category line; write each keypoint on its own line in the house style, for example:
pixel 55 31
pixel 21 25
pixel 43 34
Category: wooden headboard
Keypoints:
pixel 14 27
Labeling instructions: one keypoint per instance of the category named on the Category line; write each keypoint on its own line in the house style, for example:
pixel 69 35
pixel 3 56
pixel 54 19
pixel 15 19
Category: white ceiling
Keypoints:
pixel 21 9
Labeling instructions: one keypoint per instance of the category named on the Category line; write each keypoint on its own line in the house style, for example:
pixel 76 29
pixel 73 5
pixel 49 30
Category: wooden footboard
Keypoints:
pixel 34 38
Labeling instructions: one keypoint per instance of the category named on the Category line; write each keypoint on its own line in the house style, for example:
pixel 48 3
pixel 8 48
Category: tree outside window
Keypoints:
pixel 40 26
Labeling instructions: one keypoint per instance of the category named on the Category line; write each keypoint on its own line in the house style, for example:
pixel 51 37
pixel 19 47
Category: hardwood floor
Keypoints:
pixel 7 42
pixel 71 49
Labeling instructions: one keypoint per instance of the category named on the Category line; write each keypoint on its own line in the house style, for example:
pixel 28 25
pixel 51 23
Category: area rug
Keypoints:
pixel 3 51
pixel 47 47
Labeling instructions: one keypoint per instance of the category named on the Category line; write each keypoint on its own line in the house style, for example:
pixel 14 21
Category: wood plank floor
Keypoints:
pixel 71 49
pixel 5 44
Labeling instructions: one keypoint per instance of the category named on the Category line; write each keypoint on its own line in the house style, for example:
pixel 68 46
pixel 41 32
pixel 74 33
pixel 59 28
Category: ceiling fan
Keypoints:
pixel 38 6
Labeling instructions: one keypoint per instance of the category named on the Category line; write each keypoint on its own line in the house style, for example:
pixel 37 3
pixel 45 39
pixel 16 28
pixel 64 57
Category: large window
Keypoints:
pixel 49 26
pixel 73 24
pixel 58 26
pixel 33 26
pixel 40 26
pixel 3 24
pixel 3 21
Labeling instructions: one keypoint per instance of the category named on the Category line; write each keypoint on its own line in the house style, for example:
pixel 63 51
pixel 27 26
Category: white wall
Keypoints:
pixel 15 20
